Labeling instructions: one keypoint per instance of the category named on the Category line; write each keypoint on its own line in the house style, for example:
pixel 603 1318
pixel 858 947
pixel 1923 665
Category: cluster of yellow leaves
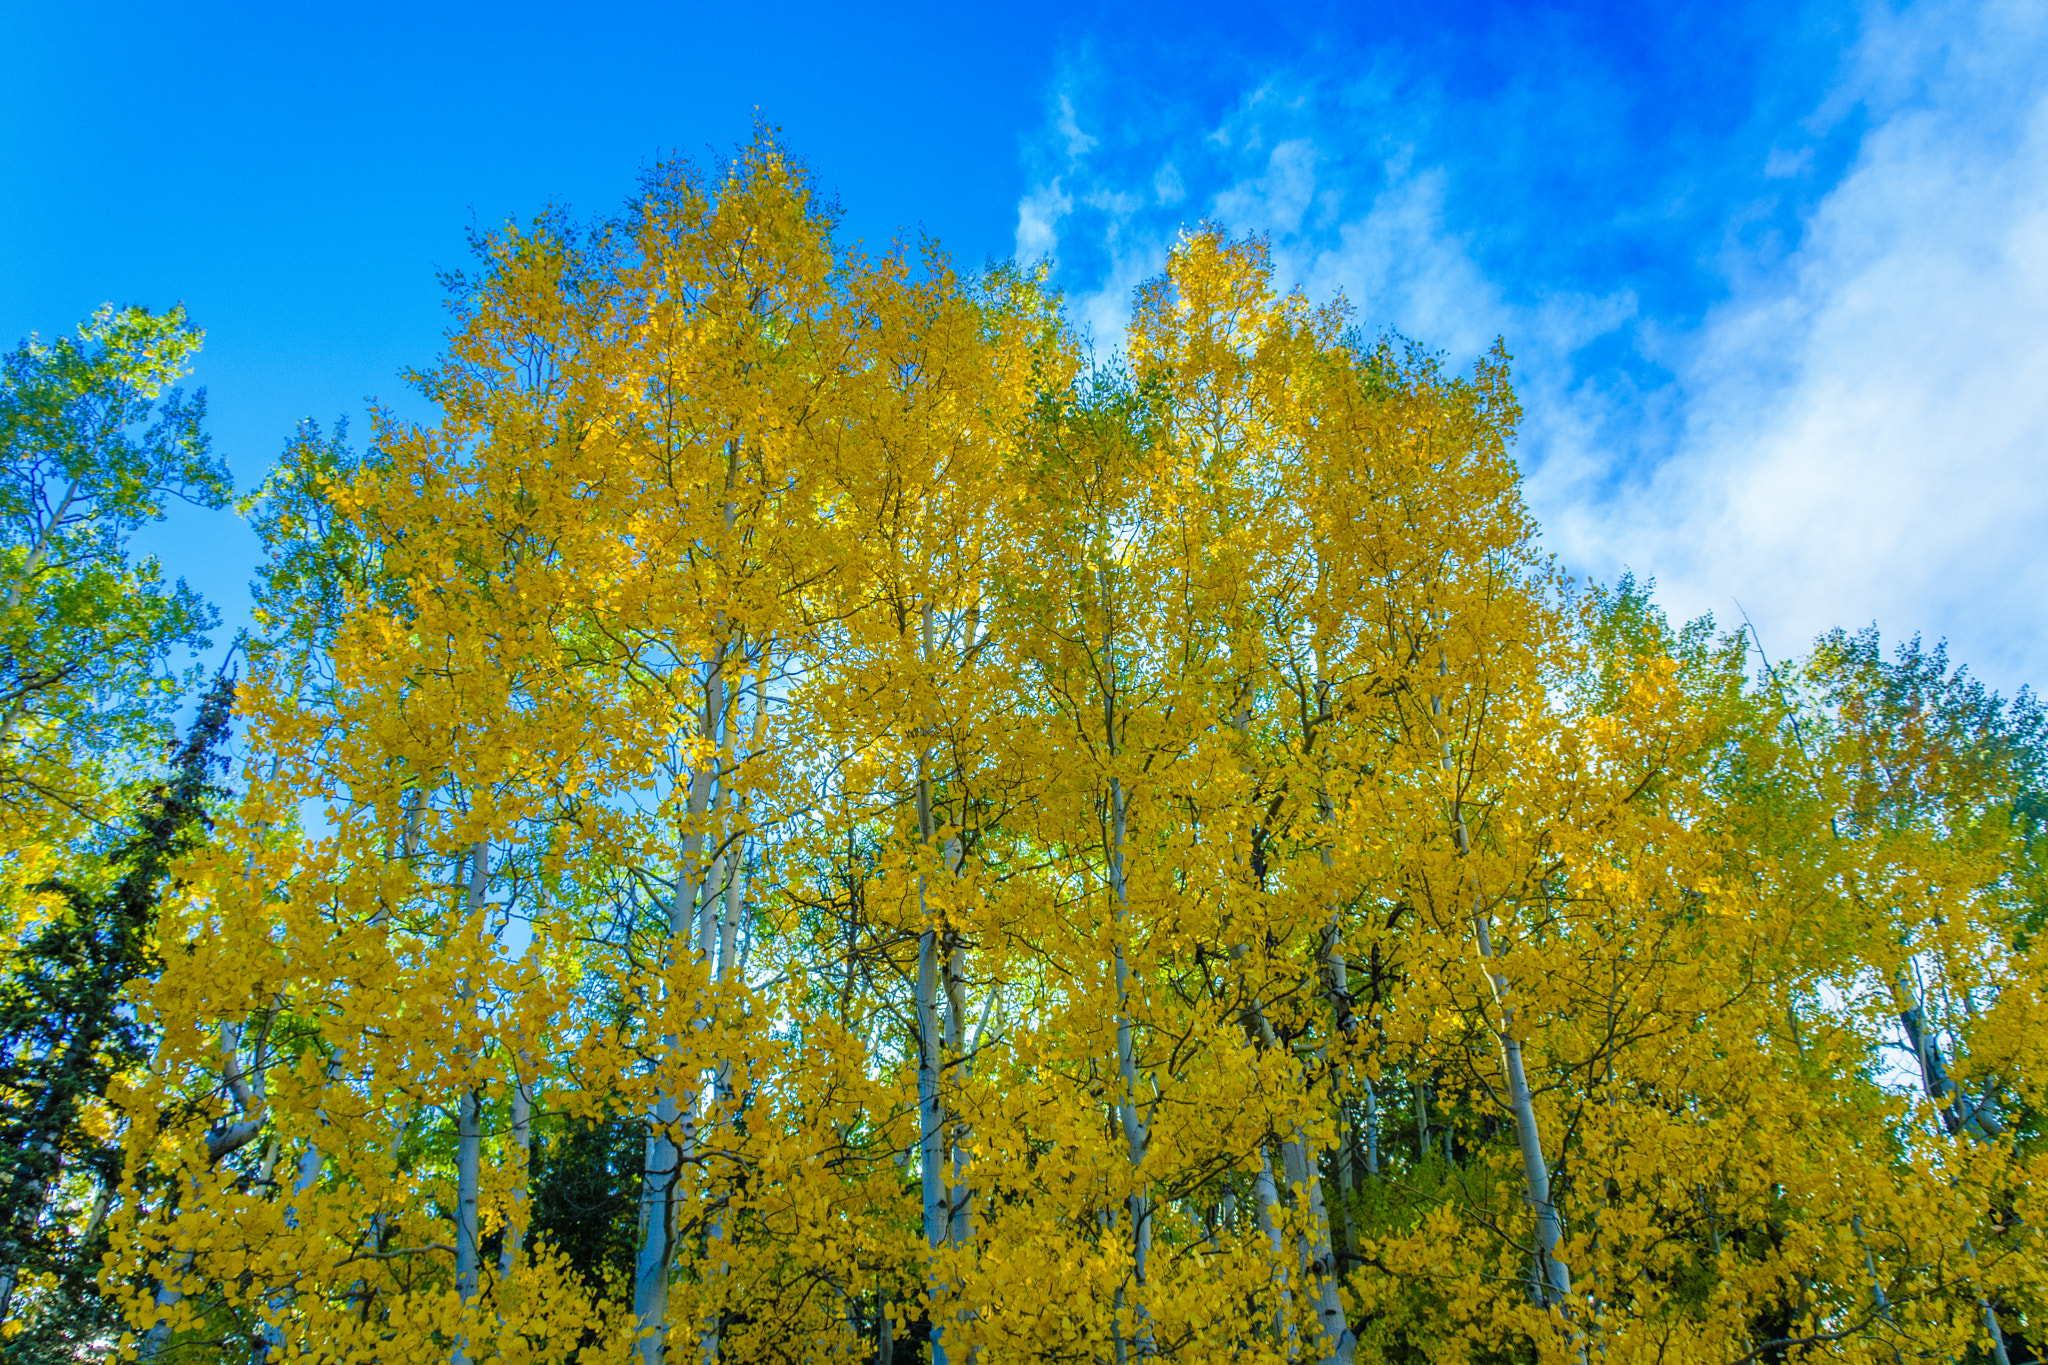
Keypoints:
pixel 1029 847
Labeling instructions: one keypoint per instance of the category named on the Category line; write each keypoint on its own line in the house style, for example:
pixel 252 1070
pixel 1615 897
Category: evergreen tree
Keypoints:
pixel 66 1031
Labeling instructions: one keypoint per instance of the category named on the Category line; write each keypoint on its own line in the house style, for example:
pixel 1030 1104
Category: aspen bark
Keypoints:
pixel 468 1161
pixel 1950 1101
pixel 1319 1252
pixel 1318 1262
pixel 941 971
pixel 469 1136
pixel 168 1296
pixel 662 1169
pixel 1371 1126
pixel 250 1098
pixel 960 1206
pixel 1267 1199
pixel 931 1121
pixel 1135 1136
pixel 522 1157
pixel 931 1117
pixel 718 930
pixel 1940 1092
pixel 1992 1330
pixel 1554 1280
pixel 33 565
pixel 660 1172
pixel 1556 1276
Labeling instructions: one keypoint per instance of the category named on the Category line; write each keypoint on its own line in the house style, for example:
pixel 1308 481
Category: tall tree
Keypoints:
pixel 95 439
pixel 67 1029
pixel 1029 859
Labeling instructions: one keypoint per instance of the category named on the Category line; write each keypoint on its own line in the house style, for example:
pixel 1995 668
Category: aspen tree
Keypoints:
pixel 942 390
pixel 1016 839
pixel 1237 360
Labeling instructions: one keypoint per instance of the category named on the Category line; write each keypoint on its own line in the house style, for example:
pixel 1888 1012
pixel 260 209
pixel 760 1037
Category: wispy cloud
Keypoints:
pixel 1038 220
pixel 1863 429
pixel 1845 417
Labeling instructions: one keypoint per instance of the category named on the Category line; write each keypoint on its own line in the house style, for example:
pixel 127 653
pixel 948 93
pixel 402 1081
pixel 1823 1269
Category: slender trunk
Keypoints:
pixel 1992 1331
pixel 1319 1254
pixel 885 1330
pixel 662 1170
pixel 931 1117
pixel 723 894
pixel 1136 1138
pixel 1955 1120
pixel 931 1043
pixel 249 1097
pixel 168 1296
pixel 1878 1298
pixel 1267 1198
pixel 931 1126
pixel 1554 1278
pixel 961 1232
pixel 1957 1114
pixel 1372 1129
pixel 1318 1261
pixel 469 1133
pixel 522 1162
pixel 960 1207
pixel 33 565
pixel 304 1178
pixel 468 1153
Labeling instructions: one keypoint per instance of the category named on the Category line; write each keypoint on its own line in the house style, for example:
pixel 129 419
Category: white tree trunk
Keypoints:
pixel 33 565
pixel 1267 1199
pixel 522 1158
pixel 717 933
pixel 1318 1260
pixel 931 1122
pixel 1136 1136
pixel 468 1161
pixel 662 1170
pixel 250 1098
pixel 1956 1119
pixel 1556 1286
pixel 1554 1283
pixel 469 1133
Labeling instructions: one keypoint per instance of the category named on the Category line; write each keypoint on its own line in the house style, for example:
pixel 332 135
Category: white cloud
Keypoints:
pixel 1864 432
pixel 1276 200
pixel 1038 220
pixel 1167 186
pixel 1103 312
pixel 1783 164
pixel 1857 432
pixel 1078 142
pixel 1402 266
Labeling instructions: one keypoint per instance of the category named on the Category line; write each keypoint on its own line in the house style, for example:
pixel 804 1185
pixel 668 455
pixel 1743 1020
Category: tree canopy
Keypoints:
pixel 804 818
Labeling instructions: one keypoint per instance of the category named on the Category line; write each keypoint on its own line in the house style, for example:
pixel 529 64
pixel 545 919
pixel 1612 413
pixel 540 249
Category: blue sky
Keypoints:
pixel 1775 275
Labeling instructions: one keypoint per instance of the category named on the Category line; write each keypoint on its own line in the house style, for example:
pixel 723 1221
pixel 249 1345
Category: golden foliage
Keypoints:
pixel 1053 864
